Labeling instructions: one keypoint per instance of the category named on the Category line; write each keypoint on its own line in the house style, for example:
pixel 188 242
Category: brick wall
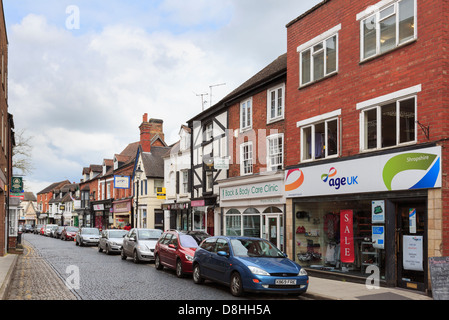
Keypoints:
pixel 423 61
pixel 260 130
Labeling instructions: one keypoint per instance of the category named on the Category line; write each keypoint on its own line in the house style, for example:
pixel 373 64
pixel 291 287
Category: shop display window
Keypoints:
pixel 319 242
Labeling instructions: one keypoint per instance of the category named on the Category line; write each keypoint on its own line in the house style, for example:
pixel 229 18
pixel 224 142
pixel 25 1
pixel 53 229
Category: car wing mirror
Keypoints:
pixel 223 254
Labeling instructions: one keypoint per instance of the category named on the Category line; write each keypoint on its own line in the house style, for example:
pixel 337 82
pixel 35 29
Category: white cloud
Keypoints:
pixel 82 94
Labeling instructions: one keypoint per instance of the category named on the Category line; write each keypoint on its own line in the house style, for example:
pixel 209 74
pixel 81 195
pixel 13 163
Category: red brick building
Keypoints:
pixel 251 198
pixel 366 133
pixel 44 197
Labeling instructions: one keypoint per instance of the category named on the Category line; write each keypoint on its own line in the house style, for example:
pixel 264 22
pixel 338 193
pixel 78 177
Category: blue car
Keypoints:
pixel 248 264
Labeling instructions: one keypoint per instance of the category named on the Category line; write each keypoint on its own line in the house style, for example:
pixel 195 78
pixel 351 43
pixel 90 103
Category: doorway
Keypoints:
pixel 273 227
pixel 411 239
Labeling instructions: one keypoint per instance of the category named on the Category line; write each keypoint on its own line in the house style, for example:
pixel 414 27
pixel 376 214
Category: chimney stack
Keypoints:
pixel 148 130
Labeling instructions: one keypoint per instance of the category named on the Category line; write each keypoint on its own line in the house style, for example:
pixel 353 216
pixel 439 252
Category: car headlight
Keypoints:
pixel 302 272
pixel 189 257
pixel 258 271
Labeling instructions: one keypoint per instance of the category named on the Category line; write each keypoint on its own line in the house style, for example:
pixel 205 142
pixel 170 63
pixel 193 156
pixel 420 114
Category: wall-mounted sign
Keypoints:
pixel 121 182
pixel 161 193
pixel 417 169
pixel 255 190
pixel 221 163
pixel 378 237
pixel 98 207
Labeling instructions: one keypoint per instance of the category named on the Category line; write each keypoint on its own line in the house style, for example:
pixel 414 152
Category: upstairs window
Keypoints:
pixel 319 57
pixel 387 28
pixel 389 121
pixel 275 105
pixel 275 144
pixel 320 136
pixel 246 158
pixel 246 114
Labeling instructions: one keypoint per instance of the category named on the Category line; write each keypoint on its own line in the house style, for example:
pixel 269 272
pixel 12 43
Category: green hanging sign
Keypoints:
pixel 16 185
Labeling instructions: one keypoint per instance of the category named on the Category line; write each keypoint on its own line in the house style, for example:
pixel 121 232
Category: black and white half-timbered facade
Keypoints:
pixel 209 158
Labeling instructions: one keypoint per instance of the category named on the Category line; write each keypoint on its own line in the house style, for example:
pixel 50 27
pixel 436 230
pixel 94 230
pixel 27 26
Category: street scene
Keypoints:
pixel 224 150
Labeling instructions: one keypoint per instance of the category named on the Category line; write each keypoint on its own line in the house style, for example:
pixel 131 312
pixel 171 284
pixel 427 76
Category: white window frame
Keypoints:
pixel 185 181
pixel 246 122
pixel 378 109
pixel 269 155
pixel 275 90
pixel 250 153
pixel 375 11
pixel 309 45
pixel 311 123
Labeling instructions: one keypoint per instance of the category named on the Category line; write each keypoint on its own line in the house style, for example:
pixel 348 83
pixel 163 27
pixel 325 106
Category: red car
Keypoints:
pixel 175 250
pixel 69 233
pixel 42 231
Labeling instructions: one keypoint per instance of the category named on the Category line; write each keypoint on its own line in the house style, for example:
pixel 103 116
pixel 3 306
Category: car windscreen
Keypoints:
pixel 117 233
pixel 255 248
pixel 90 231
pixel 71 229
pixel 188 241
pixel 149 234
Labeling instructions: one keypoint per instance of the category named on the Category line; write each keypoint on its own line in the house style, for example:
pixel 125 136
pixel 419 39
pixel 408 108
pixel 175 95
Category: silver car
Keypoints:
pixel 111 240
pixel 87 236
pixel 49 228
pixel 139 244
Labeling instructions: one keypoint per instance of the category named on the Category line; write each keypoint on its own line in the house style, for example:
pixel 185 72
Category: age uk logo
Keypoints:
pixel 338 182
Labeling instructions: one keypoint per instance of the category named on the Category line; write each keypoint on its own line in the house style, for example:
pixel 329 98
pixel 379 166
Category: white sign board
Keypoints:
pixel 416 169
pixel 256 190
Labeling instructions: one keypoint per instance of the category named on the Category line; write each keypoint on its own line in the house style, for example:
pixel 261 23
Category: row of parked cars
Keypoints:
pixel 242 263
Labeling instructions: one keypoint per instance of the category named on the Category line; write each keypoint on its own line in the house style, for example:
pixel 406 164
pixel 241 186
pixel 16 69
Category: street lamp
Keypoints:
pixel 137 176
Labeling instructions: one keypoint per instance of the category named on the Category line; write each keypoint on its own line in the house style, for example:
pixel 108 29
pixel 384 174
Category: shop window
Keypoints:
pixel 388 28
pixel 318 240
pixel 233 222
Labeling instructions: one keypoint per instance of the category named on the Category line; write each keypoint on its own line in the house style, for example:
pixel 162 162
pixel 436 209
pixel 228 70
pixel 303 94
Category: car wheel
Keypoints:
pixel 197 274
pixel 157 263
pixel 123 255
pixel 135 257
pixel 99 249
pixel 107 250
pixel 179 272
pixel 236 285
pixel 76 243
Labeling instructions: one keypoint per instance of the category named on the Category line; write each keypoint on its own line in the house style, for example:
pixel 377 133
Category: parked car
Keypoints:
pixel 42 231
pixel 37 228
pixel 49 228
pixel 199 236
pixel 111 240
pixel 57 233
pixel 87 236
pixel 69 233
pixel 248 264
pixel 175 250
pixel 139 244
pixel 28 228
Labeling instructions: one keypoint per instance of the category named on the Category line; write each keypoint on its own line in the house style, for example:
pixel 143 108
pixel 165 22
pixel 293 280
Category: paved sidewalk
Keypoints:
pixel 7 265
pixel 326 289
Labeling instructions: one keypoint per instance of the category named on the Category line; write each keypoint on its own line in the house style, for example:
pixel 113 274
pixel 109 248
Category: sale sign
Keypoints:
pixel 347 237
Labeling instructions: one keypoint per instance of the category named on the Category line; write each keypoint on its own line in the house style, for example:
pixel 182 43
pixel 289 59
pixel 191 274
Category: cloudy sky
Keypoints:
pixel 83 72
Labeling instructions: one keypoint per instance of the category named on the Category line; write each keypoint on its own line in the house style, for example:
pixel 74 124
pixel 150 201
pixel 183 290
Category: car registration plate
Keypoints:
pixel 286 281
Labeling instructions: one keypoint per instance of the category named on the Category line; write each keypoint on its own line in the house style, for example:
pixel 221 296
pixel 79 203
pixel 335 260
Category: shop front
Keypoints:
pixel 254 206
pixel 205 216
pixel 102 216
pixel 122 213
pixel 177 215
pixel 368 216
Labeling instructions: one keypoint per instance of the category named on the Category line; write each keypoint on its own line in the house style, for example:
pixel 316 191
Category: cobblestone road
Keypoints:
pixel 34 279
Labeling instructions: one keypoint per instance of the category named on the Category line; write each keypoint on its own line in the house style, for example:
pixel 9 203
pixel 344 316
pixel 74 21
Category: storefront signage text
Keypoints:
pixel 347 236
pixel 416 169
pixel 254 190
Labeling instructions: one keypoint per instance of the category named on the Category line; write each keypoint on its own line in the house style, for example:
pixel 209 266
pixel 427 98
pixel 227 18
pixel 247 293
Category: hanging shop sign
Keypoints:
pixel 122 182
pixel 412 253
pixel 16 185
pixel 347 236
pixel 417 169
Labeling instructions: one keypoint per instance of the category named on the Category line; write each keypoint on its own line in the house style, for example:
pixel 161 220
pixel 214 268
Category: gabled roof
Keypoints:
pixel 153 162
pixel 268 74
pixel 54 186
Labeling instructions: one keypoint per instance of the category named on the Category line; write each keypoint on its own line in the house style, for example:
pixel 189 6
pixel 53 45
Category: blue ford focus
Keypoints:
pixel 248 264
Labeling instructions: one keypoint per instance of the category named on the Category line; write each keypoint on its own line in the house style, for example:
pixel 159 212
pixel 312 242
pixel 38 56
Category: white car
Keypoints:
pixel 111 240
pixel 87 236
pixel 48 229
pixel 140 243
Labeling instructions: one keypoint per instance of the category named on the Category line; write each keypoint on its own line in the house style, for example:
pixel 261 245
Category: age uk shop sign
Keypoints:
pixel 417 169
